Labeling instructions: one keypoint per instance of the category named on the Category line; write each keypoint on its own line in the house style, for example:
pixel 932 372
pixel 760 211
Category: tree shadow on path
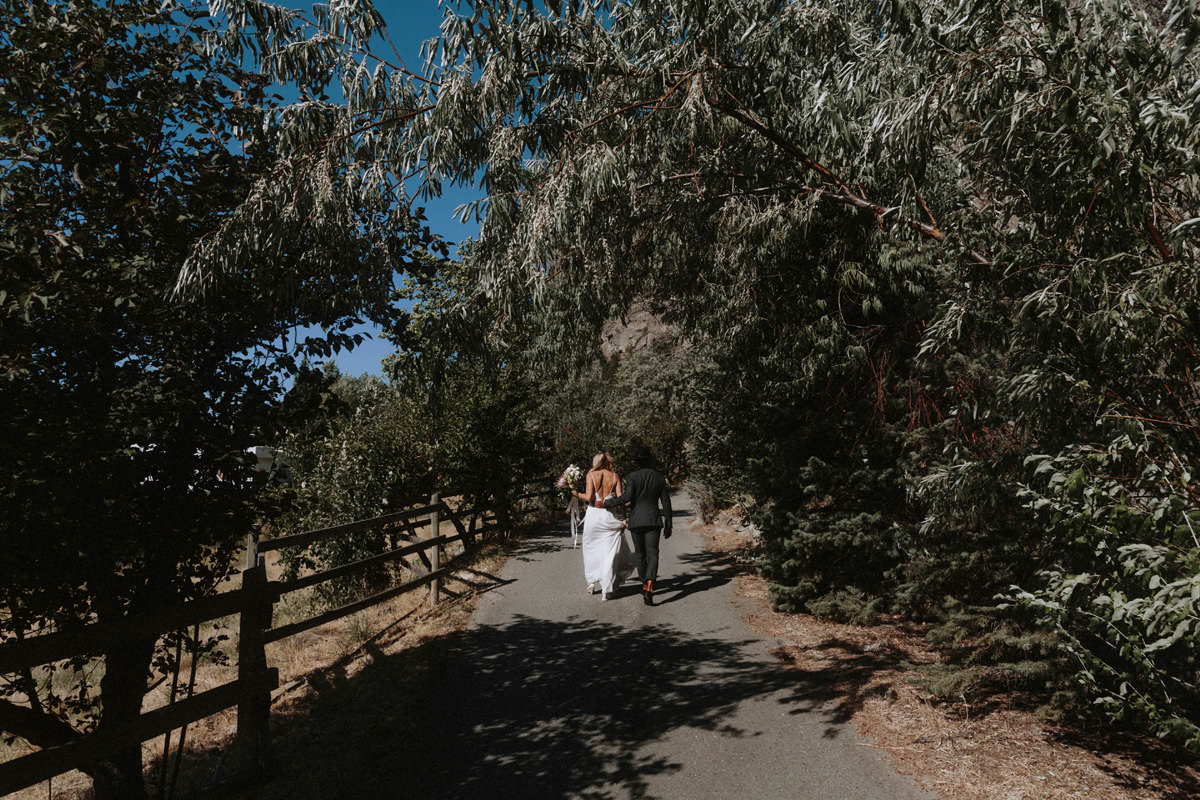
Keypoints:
pixel 703 572
pixel 550 539
pixel 534 708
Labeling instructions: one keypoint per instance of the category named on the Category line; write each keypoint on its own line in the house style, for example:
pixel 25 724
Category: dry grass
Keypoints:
pixel 999 751
pixel 331 653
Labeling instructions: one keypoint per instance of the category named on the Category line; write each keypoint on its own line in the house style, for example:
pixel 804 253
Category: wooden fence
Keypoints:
pixel 253 602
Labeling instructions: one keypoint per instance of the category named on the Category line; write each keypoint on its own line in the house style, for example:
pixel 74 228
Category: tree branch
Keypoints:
pixel 1157 240
pixel 836 189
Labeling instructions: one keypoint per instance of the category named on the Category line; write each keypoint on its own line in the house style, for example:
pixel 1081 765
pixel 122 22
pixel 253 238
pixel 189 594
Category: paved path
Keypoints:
pixel 553 693
pixel 564 695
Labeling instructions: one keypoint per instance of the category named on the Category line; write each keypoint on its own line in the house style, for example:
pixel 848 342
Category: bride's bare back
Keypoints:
pixel 600 484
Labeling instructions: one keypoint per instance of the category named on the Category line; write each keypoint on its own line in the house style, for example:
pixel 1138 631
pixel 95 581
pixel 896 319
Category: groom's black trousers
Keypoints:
pixel 645 548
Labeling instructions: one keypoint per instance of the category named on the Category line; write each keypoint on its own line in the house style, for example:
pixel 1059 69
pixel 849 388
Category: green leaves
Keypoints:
pixel 937 259
pixel 134 140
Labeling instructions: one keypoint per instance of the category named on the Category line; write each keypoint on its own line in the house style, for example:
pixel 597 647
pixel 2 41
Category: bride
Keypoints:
pixel 606 557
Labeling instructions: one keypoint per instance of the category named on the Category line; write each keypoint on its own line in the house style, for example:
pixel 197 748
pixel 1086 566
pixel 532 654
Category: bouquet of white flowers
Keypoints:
pixel 566 485
pixel 570 477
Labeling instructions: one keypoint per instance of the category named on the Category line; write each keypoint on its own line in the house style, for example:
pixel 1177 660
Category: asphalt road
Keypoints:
pixel 551 692
pixel 559 694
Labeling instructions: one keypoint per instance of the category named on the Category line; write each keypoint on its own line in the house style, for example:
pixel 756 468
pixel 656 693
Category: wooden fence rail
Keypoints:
pixel 253 603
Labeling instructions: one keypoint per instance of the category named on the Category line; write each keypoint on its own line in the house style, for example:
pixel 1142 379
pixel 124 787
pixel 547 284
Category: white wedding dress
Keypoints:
pixel 607 560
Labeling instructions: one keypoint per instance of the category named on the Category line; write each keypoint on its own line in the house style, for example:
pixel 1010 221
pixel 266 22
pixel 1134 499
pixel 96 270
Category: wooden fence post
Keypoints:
pixel 251 550
pixel 434 556
pixel 254 709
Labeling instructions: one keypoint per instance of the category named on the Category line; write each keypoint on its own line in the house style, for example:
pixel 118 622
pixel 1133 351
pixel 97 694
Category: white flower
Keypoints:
pixel 569 477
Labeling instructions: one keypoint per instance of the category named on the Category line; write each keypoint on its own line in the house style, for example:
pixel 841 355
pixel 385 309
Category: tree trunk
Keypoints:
pixel 119 776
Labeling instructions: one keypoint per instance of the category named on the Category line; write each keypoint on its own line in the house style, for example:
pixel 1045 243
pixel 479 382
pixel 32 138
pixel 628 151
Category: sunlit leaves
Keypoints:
pixel 916 242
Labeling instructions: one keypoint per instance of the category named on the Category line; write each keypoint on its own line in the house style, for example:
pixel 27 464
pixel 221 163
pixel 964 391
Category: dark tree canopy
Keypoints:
pixel 132 137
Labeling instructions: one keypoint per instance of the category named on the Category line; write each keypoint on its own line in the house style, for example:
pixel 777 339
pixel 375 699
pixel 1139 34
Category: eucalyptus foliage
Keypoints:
pixel 1081 428
pixel 336 206
pixel 941 258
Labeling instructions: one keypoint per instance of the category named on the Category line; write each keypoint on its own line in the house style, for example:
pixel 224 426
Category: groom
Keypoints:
pixel 645 490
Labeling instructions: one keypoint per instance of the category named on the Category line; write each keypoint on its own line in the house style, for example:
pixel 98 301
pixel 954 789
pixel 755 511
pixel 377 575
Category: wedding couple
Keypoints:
pixel 606 561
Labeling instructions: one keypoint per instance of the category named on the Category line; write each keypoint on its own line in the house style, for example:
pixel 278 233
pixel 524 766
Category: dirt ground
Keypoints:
pixel 1000 751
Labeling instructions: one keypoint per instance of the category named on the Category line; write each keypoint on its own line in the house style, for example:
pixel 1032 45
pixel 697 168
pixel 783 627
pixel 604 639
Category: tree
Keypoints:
pixel 726 163
pixel 1068 355
pixel 126 408
pixel 364 451
pixel 900 232
pixel 480 392
pixel 904 231
pixel 458 413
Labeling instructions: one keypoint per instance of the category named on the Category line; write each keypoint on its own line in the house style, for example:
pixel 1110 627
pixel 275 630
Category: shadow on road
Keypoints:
pixel 703 571
pixel 535 708
pixel 549 539
pixel 849 674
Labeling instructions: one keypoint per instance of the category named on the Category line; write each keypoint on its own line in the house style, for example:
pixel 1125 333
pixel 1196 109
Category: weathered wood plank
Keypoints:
pixel 280 588
pixel 435 531
pixel 485 529
pixel 95 638
pixel 463 533
pixel 301 539
pixel 36 767
pixel 412 531
pixel 254 709
pixel 275 634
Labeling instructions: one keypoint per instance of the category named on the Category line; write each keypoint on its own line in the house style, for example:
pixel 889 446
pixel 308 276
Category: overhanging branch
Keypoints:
pixel 835 189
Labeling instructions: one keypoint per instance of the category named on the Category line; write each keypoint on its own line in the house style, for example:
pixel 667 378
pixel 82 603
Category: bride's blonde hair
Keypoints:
pixel 602 461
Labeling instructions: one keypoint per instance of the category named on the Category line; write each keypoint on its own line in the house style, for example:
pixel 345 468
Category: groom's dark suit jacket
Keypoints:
pixel 645 489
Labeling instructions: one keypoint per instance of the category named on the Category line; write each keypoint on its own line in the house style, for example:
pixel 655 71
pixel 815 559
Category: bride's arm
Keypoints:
pixel 588 490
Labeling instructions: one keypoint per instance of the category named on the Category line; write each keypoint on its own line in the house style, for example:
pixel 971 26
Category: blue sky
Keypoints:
pixel 409 24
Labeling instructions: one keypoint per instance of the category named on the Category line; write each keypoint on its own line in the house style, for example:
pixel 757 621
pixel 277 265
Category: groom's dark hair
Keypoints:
pixel 642 457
